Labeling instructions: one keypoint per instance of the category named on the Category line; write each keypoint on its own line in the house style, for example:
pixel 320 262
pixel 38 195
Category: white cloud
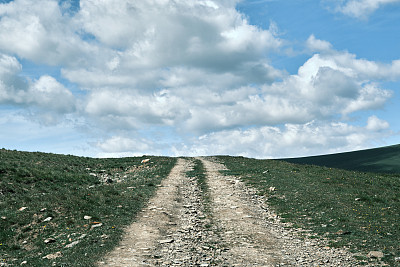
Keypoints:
pixel 376 124
pixel 328 85
pixel 118 144
pixel 316 45
pixel 39 31
pixel 291 140
pixel 45 97
pixel 362 8
pixel 196 66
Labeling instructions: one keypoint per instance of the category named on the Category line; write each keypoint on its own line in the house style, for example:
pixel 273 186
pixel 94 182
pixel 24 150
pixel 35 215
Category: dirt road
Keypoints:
pixel 231 227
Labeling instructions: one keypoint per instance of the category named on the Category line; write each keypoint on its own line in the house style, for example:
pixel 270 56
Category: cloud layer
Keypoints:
pixel 196 70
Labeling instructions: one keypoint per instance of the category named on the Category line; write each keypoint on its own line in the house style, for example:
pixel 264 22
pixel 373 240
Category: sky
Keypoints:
pixel 260 78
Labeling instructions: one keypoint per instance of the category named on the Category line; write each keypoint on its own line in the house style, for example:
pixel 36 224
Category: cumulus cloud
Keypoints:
pixel 45 96
pixel 196 66
pixel 316 45
pixel 206 38
pixel 290 140
pixel 39 31
pixel 376 124
pixel 362 8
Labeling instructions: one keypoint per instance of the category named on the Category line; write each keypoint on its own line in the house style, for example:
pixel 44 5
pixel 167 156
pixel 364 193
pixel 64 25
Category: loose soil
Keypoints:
pixel 231 227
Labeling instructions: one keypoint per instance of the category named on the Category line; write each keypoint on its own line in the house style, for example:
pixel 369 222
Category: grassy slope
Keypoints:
pixel 65 189
pixel 383 160
pixel 355 209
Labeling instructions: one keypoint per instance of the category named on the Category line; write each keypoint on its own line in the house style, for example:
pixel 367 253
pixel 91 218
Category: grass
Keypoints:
pixel 381 160
pixel 46 197
pixel 354 209
pixel 199 172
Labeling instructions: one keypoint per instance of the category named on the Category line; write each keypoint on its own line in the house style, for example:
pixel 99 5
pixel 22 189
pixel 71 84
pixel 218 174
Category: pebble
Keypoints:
pixel 72 244
pixel 48 219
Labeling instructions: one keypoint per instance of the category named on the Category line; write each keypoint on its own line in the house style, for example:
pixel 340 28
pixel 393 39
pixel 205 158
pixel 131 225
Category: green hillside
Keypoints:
pixel 358 210
pixel 62 210
pixel 382 160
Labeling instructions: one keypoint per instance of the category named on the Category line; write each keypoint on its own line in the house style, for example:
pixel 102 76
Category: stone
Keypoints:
pixel 145 160
pixel 72 244
pixel 272 189
pixel 53 256
pixel 22 208
pixel 342 232
pixel 86 217
pixel 165 241
pixel 96 225
pixel 375 254
pixel 48 219
pixel 49 240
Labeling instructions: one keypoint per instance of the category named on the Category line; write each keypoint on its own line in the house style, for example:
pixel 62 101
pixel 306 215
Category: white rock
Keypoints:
pixel 72 244
pixel 96 225
pixel 48 219
pixel 53 256
pixel 375 254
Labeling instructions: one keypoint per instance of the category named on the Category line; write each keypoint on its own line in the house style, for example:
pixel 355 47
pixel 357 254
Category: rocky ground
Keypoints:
pixel 233 227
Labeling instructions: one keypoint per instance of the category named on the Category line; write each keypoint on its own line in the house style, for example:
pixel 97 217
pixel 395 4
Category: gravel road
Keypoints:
pixel 232 227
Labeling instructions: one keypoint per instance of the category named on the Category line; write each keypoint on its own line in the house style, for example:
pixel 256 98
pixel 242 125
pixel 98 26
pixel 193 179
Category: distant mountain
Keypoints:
pixel 382 160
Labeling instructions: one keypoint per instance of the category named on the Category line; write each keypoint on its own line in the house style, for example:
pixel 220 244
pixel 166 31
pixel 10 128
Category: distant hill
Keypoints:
pixel 382 160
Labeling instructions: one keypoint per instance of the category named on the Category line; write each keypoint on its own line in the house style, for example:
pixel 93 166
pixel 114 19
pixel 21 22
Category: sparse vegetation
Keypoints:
pixel 353 209
pixel 198 171
pixel 44 199
pixel 49 202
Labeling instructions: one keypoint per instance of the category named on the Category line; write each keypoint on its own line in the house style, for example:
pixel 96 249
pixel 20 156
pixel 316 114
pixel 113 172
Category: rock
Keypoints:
pixel 49 240
pixel 48 219
pixel 341 232
pixel 3 217
pixel 42 210
pixel 96 225
pixel 24 262
pixel 53 256
pixel 22 208
pixel 145 161
pixel 272 189
pixel 86 217
pixel 375 254
pixel 165 241
pixel 397 259
pixel 357 199
pixel 72 244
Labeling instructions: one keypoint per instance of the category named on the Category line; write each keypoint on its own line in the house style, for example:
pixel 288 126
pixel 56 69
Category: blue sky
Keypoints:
pixel 261 78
